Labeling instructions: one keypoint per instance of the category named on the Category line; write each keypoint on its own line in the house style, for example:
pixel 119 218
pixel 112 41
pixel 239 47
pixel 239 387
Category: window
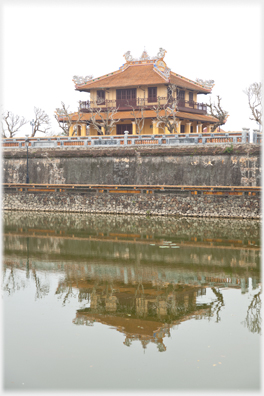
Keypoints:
pixel 191 102
pixel 182 128
pixel 169 94
pixel 152 94
pixel 126 97
pixel 101 97
pixel 181 97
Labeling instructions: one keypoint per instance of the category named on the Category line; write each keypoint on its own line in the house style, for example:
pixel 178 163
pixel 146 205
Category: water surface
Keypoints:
pixel 121 302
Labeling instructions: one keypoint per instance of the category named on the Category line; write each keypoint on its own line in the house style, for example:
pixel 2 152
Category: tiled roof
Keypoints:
pixel 135 75
pixel 127 115
pixel 131 76
pixel 186 83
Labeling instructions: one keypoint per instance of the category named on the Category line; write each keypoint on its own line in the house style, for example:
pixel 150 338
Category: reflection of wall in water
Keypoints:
pixel 147 273
pixel 89 224
pixel 88 251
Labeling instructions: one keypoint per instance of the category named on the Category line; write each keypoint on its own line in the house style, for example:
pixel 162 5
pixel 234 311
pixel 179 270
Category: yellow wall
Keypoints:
pixel 148 127
pixel 110 94
pixel 93 131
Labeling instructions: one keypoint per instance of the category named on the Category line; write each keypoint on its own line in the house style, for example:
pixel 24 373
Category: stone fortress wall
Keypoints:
pixel 200 166
pixel 193 166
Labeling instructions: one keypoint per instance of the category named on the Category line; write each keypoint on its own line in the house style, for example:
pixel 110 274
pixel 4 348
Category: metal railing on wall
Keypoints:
pixel 133 189
pixel 127 139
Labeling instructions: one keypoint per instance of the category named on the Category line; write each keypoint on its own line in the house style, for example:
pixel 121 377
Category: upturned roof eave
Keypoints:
pixel 196 86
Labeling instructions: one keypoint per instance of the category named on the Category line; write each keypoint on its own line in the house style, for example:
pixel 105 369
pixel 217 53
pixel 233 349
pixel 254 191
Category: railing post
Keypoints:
pixel 255 136
pixel 245 131
pixel 125 138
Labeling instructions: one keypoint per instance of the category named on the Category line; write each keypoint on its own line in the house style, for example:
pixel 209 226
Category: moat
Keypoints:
pixel 101 302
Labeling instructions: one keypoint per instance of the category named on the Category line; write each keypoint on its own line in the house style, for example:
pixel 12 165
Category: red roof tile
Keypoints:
pixel 131 76
pixel 186 83
pixel 135 75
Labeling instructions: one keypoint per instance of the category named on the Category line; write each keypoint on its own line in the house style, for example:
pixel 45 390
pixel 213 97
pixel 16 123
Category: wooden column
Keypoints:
pixel 179 127
pixel 209 127
pixel 194 126
pixel 155 128
pixel 200 128
pixel 188 127
pixel 134 129
pixel 71 130
pixel 83 130
pixel 103 130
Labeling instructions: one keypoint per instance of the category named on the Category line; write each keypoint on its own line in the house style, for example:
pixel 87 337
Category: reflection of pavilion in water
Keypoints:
pixel 143 303
pixel 142 311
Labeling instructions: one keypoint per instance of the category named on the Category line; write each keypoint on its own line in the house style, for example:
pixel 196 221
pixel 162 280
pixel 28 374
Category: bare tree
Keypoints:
pixel 218 304
pixel 65 118
pixel 41 290
pixel 217 112
pixel 139 118
pixel 253 318
pixel 166 114
pixel 254 95
pixel 103 118
pixel 65 290
pixel 11 124
pixel 41 122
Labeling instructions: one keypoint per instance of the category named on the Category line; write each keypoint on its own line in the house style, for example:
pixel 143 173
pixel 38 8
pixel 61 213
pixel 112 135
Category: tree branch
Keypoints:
pixel 217 111
pixel 254 95
pixel 11 124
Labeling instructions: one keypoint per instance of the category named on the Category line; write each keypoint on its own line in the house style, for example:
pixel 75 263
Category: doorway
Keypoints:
pixel 121 128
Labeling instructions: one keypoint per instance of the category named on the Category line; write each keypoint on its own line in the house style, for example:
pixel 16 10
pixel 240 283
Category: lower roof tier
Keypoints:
pixel 148 114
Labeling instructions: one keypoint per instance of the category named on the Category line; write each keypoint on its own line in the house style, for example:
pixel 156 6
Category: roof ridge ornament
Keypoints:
pixel 79 80
pixel 160 65
pixel 161 53
pixel 205 83
pixel 144 56
pixel 128 56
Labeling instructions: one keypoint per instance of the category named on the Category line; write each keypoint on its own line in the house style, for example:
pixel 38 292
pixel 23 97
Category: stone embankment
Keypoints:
pixel 137 204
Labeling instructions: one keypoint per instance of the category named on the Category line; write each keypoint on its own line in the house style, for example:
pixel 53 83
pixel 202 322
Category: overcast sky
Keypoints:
pixel 44 44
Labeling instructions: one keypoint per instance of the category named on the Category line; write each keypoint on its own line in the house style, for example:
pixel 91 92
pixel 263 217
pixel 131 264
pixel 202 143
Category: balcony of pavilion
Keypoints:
pixel 148 103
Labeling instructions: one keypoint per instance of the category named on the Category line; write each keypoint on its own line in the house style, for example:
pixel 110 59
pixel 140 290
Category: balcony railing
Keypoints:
pixel 148 104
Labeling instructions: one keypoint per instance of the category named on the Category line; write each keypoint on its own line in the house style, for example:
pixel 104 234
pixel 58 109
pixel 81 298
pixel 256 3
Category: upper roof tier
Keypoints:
pixel 138 72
